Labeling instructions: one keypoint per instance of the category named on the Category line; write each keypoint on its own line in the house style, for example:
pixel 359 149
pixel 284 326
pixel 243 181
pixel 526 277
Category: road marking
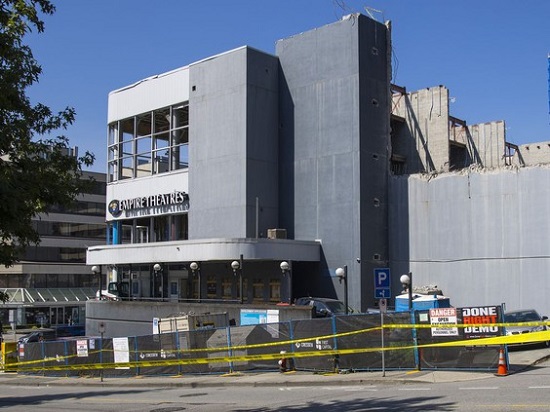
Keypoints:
pixel 477 388
pixel 361 390
pixel 415 389
pixel 539 387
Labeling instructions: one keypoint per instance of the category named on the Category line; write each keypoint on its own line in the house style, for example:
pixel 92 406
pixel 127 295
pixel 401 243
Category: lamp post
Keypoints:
pixel 158 268
pixel 285 268
pixel 343 275
pixel 97 271
pixel 237 266
pixel 406 281
pixel 195 268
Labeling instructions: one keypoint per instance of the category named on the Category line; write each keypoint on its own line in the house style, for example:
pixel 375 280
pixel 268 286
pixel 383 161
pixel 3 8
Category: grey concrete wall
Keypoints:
pixel 233 148
pixel 426 113
pixel 486 143
pixel 136 318
pixel 482 237
pixel 333 147
pixel 532 154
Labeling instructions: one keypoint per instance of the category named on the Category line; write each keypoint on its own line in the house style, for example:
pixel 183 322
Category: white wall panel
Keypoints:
pixel 152 93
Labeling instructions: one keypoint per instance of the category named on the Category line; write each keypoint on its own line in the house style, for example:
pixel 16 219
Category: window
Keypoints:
pixel 227 288
pixel 274 290
pixel 258 290
pixel 149 143
pixel 211 287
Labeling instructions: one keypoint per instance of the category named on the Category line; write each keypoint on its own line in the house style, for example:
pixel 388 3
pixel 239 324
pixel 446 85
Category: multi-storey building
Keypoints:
pixel 221 170
pixel 51 283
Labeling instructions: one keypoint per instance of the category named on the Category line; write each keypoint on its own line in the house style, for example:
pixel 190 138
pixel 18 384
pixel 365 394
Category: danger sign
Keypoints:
pixel 443 316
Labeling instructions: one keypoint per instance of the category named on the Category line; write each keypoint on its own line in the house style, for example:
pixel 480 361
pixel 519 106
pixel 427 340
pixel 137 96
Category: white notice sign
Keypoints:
pixel 82 348
pixel 121 350
pixel 441 317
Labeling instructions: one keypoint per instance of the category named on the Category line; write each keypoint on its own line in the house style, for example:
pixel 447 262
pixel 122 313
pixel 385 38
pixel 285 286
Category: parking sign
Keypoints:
pixel 382 283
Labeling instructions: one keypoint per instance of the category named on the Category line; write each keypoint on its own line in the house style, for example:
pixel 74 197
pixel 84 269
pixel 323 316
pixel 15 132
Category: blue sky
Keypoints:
pixel 492 55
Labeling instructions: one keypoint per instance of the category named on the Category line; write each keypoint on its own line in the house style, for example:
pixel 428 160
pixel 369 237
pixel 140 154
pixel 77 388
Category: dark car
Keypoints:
pixel 38 336
pixel 533 323
pixel 323 307
pixel 49 334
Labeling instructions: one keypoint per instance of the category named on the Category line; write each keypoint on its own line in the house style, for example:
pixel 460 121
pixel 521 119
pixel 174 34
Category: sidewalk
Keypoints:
pixel 519 360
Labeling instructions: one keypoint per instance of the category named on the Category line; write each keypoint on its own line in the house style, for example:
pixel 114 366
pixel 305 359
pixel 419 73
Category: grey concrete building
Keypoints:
pixel 467 209
pixel 258 159
pixel 51 283
pixel 221 170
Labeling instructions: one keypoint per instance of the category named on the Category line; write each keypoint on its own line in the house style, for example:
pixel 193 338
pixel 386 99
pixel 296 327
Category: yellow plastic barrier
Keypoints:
pixel 9 357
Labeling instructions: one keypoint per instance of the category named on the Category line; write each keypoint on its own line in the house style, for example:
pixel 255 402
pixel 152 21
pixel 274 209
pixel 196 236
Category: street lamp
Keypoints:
pixel 285 268
pixel 97 271
pixel 194 266
pixel 406 281
pixel 158 268
pixel 237 265
pixel 343 275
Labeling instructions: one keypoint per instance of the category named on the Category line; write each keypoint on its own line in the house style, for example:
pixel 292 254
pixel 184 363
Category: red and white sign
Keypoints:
pixel 443 316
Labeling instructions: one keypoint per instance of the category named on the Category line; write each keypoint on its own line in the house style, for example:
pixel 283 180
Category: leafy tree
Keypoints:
pixel 36 170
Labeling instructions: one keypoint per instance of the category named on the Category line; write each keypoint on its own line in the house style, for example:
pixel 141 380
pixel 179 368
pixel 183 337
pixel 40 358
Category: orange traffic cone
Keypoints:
pixel 502 367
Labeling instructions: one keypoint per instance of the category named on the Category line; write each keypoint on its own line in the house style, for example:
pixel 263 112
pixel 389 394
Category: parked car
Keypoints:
pixel 527 316
pixel 323 307
pixel 48 334
pixel 38 336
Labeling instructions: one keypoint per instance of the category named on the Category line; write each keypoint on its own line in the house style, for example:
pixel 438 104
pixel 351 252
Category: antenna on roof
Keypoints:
pixel 369 9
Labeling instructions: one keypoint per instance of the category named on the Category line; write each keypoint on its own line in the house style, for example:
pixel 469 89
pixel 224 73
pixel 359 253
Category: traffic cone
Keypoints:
pixel 502 367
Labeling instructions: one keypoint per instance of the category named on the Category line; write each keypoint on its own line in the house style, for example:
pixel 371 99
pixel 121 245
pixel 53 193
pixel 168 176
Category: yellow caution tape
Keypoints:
pixel 235 353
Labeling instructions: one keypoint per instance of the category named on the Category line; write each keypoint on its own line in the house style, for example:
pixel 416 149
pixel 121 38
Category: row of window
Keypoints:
pixel 52 280
pixel 154 229
pixel 262 290
pixel 64 229
pixel 149 143
pixel 81 208
pixel 55 254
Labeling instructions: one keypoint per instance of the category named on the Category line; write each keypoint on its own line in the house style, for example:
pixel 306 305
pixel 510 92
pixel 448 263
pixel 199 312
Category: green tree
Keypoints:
pixel 36 170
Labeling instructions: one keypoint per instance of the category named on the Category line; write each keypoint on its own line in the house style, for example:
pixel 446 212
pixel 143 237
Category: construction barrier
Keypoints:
pixel 457 338
pixel 9 357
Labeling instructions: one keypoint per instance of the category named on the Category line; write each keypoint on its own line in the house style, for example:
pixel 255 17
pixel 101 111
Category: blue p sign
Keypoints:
pixel 382 283
pixel 382 278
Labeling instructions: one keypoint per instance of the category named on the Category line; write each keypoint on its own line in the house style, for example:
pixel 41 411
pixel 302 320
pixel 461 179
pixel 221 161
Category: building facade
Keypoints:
pixel 257 159
pixel 221 170
pixel 51 283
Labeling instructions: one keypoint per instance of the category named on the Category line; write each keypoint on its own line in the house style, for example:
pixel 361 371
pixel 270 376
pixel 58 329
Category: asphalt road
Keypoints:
pixel 528 390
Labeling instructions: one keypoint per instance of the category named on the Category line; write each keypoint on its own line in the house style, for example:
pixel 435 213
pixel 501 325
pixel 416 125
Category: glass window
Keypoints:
pixel 180 136
pixel 258 289
pixel 127 169
pixel 143 124
pixel 161 161
pixel 159 139
pixel 161 228
pixel 180 116
pixel 211 287
pixel 143 165
pixel 180 156
pixel 112 176
pixel 113 134
pixel 144 145
pixel 227 289
pixel 127 129
pixel 128 148
pixel 275 290
pixel 162 120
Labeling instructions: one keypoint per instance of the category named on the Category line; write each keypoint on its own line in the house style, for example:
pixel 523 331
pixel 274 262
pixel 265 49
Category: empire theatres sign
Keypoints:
pixel 150 205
